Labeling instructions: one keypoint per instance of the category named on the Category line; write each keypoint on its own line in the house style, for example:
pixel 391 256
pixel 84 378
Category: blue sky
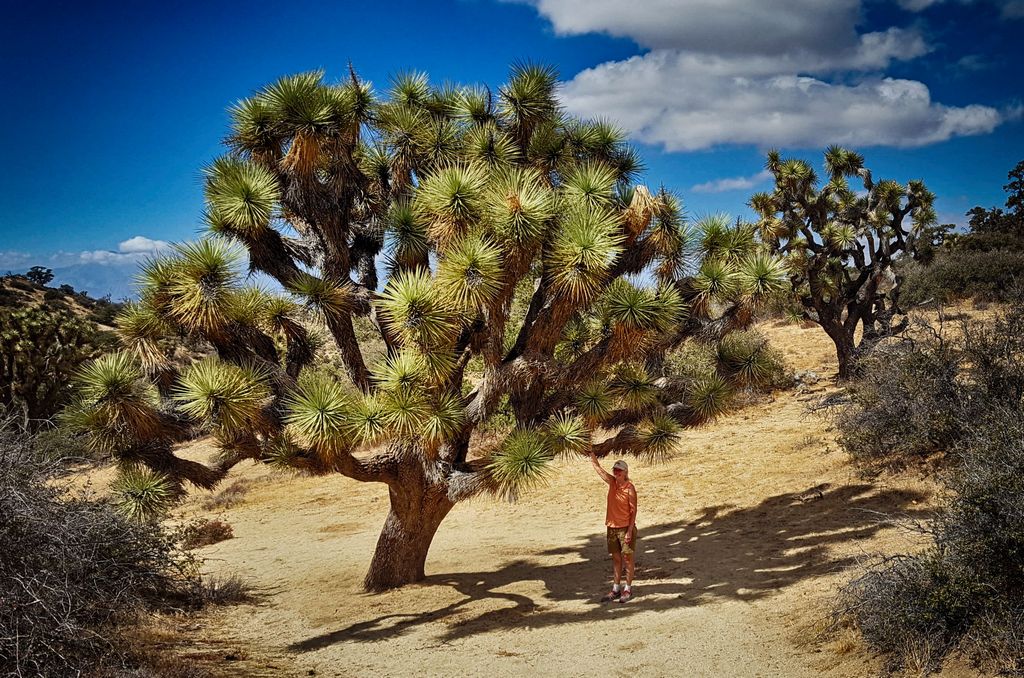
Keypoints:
pixel 112 108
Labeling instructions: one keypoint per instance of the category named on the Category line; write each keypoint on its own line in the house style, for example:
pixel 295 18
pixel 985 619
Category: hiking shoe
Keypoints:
pixel 626 595
pixel 610 596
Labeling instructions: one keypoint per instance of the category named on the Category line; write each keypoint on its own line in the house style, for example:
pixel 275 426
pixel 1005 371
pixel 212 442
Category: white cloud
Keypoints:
pixel 142 244
pixel 135 249
pixel 823 32
pixel 714 26
pixel 665 98
pixel 732 183
pixel 130 251
pixel 772 72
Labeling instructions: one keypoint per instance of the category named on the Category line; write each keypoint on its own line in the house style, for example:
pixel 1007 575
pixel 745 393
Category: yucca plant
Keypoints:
pixel 142 494
pixel 838 246
pixel 518 257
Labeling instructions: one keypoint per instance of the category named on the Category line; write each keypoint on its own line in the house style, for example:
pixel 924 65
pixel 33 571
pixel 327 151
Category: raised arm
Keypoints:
pixel 605 476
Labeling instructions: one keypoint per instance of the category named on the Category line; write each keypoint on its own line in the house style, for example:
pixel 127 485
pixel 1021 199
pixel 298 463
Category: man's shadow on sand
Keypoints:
pixel 724 554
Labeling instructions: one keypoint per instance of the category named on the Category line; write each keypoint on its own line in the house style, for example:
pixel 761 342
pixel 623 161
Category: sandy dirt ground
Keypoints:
pixel 744 538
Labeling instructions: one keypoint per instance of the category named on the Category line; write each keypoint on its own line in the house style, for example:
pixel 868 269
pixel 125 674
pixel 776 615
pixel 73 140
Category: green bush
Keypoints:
pixel 104 311
pixel 957 274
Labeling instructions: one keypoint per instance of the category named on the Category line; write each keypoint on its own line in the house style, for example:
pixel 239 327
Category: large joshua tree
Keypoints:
pixel 513 244
pixel 839 244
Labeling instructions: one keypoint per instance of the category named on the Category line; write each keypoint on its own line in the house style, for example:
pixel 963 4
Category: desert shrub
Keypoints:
pixel 904 403
pixel 227 590
pixel 59 446
pixel 780 305
pixel 203 532
pixel 50 295
pixel 19 283
pixel 966 590
pixel 746 354
pixel 73 572
pixel 226 498
pixel 957 273
pixel 104 311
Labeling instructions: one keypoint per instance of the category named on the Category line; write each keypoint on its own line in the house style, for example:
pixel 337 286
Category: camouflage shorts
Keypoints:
pixel 617 541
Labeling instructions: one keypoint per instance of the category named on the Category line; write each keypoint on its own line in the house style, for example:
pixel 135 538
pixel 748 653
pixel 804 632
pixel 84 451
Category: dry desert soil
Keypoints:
pixel 744 538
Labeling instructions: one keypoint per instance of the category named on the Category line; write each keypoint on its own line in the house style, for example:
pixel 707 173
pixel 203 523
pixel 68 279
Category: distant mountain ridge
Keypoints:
pixel 100 280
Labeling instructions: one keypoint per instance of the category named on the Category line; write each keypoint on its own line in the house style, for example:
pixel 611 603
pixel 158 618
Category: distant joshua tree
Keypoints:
pixel 39 275
pixel 512 237
pixel 839 244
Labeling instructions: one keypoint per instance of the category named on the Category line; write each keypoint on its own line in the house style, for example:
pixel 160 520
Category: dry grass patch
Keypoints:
pixel 204 532
pixel 232 495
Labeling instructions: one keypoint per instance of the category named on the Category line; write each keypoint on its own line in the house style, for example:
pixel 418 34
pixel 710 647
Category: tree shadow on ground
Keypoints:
pixel 726 553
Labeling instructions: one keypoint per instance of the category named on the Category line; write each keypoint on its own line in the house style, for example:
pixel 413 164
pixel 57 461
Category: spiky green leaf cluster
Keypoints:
pixel 522 462
pixel 141 494
pixel 228 397
pixel 659 437
pixel 241 197
pixel 634 387
pixel 582 252
pixel 116 405
pixel 470 274
pixel 567 434
pixel 319 412
pixel 594 401
pixel 708 397
pixel 416 311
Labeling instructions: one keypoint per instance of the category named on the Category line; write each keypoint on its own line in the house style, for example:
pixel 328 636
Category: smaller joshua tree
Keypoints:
pixel 509 232
pixel 839 245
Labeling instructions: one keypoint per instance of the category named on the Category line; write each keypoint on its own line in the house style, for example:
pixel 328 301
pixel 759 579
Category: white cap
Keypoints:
pixel 620 464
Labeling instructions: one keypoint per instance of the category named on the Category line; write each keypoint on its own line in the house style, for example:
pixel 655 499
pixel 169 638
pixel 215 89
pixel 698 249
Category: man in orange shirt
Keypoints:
pixel 620 519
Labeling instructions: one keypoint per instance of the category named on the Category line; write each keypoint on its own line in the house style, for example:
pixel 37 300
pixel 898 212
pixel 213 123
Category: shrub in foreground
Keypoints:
pixel 965 592
pixel 74 572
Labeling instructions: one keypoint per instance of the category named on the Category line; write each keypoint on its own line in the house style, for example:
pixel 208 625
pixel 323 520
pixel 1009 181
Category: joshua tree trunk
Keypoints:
pixel 846 348
pixel 417 510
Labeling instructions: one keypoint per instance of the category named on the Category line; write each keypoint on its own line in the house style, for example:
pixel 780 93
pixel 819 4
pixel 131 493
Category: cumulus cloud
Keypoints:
pixel 132 250
pixel 716 26
pixel 140 244
pixel 665 98
pixel 732 183
pixel 774 72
